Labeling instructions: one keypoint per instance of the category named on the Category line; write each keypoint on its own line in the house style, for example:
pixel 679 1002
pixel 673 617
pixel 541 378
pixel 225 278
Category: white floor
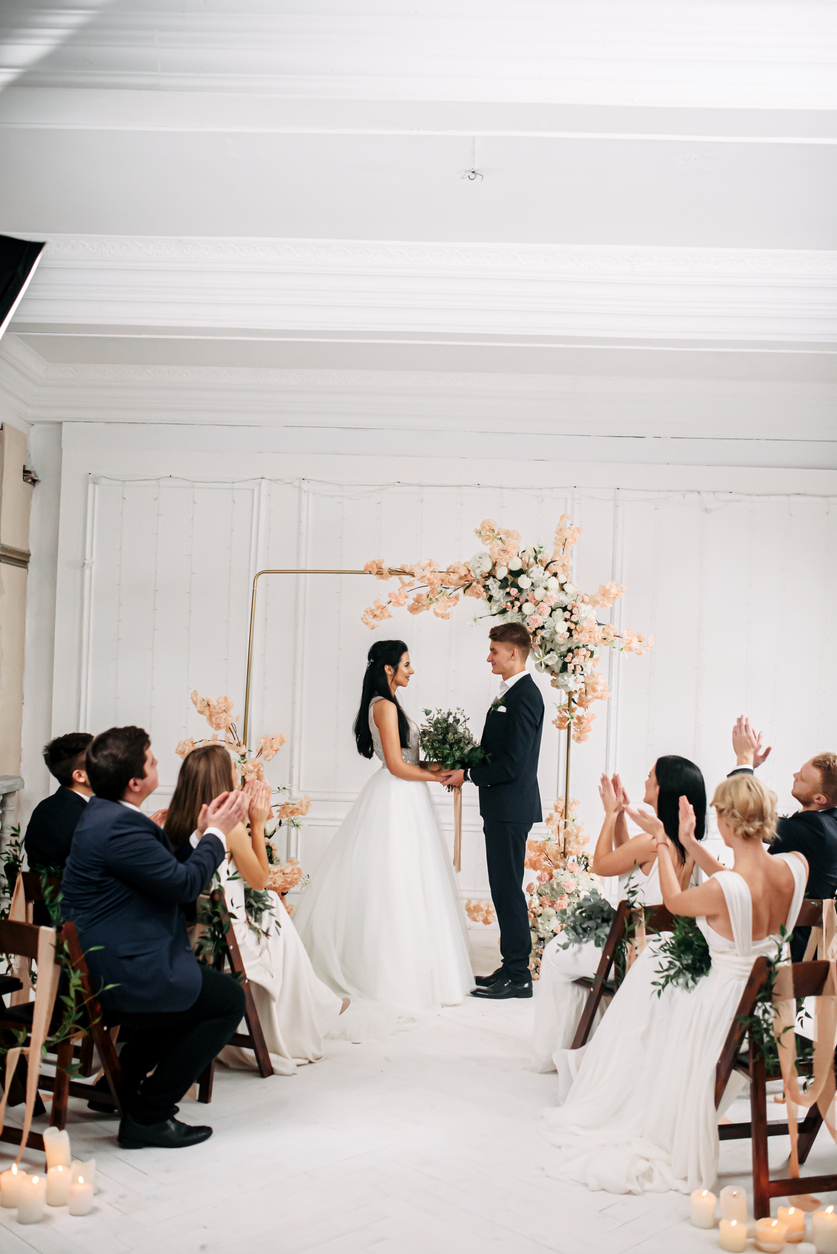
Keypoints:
pixel 426 1141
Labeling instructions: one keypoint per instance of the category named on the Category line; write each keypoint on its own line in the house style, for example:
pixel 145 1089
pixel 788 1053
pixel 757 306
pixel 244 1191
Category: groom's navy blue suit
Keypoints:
pixel 510 802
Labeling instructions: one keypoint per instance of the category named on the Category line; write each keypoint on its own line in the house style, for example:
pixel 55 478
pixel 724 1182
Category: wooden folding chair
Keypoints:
pixel 809 980
pixel 606 980
pixel 254 1037
pixel 21 940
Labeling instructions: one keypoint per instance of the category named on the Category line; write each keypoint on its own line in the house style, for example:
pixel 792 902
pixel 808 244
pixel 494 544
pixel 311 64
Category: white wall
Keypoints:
pixel 161 529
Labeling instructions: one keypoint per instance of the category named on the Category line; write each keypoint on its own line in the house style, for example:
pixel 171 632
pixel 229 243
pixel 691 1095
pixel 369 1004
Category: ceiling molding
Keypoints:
pixel 656 52
pixel 401 288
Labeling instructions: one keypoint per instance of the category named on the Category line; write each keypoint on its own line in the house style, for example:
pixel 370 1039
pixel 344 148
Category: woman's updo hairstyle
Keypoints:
pixel 748 806
pixel 376 684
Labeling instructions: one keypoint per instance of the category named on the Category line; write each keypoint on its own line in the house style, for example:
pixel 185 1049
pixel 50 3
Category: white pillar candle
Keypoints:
pixel 817 1219
pixel 794 1220
pixel 81 1196
pixel 58 1186
pixel 770 1235
pixel 31 1200
pixel 87 1170
pixel 734 1204
pixel 733 1236
pixel 10 1182
pixel 57 1147
pixel 825 1231
pixel 703 1209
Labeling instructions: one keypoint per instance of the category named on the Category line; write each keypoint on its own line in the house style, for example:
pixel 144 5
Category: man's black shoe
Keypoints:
pixel 485 981
pixel 168 1134
pixel 504 988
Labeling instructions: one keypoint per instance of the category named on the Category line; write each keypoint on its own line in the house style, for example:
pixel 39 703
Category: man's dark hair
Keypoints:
pixel 514 634
pixel 114 758
pixel 65 754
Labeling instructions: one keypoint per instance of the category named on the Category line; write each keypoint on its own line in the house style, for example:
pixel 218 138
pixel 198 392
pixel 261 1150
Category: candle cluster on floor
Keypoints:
pixel 736 1229
pixel 64 1183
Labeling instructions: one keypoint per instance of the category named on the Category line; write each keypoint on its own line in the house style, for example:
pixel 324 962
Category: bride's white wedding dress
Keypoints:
pixel 295 1009
pixel 381 917
pixel 640 1116
pixel 558 1001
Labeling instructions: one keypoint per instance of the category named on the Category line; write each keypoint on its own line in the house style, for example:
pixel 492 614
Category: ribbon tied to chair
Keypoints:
pixel 821 1091
pixel 45 994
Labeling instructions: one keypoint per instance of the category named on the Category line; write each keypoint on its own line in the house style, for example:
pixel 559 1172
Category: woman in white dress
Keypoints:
pixel 295 1009
pixel 381 918
pixel 560 1002
pixel 640 1116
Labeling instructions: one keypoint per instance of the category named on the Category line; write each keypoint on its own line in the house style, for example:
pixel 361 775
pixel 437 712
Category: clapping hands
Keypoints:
pixel 257 792
pixel 612 792
pixel 747 744
pixel 224 812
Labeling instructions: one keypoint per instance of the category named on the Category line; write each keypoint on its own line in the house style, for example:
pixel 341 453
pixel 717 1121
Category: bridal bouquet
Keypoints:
pixel 447 739
pixel 524 584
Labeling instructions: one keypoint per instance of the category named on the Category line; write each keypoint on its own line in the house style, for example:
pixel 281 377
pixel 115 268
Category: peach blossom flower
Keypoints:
pixel 269 746
pixel 377 568
pixel 217 711
pixel 375 614
pixel 562 902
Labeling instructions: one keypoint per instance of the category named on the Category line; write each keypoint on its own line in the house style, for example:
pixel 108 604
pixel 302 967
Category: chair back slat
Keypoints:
pixel 19 939
pixel 33 885
pixel 809 978
pixel 810 913
pixel 658 919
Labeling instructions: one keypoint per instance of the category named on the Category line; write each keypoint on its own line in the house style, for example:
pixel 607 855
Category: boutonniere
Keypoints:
pixel 498 705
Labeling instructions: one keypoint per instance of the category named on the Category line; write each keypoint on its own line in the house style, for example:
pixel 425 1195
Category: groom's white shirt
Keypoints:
pixel 508 683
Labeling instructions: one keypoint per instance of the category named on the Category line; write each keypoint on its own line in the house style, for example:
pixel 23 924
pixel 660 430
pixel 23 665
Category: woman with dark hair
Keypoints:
pixel 381 918
pixel 296 1010
pixel 560 1002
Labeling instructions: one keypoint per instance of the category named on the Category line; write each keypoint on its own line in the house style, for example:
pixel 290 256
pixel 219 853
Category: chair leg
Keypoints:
pixel 260 1050
pixel 61 1088
pixel 808 1130
pixel 205 1082
pixel 758 1116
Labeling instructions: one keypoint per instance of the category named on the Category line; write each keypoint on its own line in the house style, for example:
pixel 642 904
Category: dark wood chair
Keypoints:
pixel 21 940
pixel 606 980
pixel 809 980
pixel 254 1037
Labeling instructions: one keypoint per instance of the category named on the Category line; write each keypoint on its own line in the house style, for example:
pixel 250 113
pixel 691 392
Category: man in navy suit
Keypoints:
pixel 510 802
pixel 812 830
pixel 124 889
pixel 55 819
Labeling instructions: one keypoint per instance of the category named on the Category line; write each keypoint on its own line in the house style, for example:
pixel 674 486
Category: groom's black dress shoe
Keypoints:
pixel 485 981
pixel 503 988
pixel 167 1134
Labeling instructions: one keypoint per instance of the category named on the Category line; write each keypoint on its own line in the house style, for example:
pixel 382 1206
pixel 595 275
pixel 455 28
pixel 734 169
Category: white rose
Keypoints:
pixel 515 564
pixel 501 572
pixel 585 611
pixel 527 608
pixel 550 659
pixel 553 584
pixel 524 582
pixel 528 551
pixel 558 615
pixel 538 574
pixel 480 564
pixel 570 589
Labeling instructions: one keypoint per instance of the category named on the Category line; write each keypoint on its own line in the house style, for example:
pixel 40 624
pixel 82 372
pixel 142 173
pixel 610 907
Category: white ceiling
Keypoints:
pixel 279 187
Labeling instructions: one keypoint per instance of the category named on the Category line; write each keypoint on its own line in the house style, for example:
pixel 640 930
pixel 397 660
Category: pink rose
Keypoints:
pixel 562 902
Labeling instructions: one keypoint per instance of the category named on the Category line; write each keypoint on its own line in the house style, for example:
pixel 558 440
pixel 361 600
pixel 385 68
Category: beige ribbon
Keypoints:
pixel 457 829
pixel 822 1089
pixel 45 993
pixel 20 912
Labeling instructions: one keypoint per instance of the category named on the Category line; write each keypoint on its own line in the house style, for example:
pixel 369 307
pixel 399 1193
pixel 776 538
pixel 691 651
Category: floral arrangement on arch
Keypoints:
pixel 562 877
pixel 524 585
pixel 218 712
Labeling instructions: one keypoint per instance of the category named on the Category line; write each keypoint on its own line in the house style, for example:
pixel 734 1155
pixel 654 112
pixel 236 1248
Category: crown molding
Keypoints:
pixel 348 287
pixel 657 52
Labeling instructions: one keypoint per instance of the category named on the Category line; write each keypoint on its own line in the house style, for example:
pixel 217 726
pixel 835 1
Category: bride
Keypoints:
pixel 381 918
pixel 640 1116
pixel 560 1002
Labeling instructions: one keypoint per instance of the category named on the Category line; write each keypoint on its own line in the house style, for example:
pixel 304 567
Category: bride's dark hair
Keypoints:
pixel 376 684
pixel 678 777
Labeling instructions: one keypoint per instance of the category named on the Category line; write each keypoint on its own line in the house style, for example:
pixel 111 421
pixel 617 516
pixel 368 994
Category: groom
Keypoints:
pixel 509 803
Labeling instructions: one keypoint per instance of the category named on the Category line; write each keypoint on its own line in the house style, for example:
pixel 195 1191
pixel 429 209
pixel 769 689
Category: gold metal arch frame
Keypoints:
pixel 248 681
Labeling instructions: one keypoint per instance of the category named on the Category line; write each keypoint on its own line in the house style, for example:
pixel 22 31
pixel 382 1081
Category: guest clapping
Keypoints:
pixel 123 887
pixel 812 830
pixel 296 1009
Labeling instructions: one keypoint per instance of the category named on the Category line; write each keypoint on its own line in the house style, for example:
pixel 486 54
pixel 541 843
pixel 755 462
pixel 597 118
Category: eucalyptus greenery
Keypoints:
pixel 447 739
pixel 683 956
pixel 589 919
pixel 11 861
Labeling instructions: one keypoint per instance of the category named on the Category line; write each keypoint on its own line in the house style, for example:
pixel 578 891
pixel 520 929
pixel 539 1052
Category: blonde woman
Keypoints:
pixel 640 1116
pixel 296 1010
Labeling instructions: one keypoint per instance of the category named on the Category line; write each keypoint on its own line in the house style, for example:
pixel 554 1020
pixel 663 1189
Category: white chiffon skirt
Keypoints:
pixel 381 918
pixel 559 1002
